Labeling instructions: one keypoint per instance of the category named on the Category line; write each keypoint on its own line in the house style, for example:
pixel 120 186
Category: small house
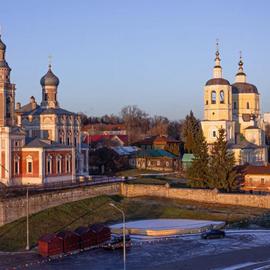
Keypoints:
pixel 87 237
pixel 103 233
pixel 49 245
pixel 71 240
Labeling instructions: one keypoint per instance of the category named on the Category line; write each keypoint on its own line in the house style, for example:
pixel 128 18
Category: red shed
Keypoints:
pixel 87 237
pixel 71 240
pixel 50 244
pixel 103 233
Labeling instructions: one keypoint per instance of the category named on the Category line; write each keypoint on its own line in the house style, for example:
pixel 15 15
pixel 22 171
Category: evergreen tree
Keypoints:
pixel 222 173
pixel 190 128
pixel 198 171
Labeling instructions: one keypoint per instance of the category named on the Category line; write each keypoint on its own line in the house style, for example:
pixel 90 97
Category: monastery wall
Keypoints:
pixel 15 208
pixel 208 196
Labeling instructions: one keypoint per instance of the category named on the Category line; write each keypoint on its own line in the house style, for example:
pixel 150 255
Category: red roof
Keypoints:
pixel 98 138
pixel 258 169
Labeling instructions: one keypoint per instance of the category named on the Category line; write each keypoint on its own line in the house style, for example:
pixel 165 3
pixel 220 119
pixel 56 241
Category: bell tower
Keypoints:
pixel 7 91
pixel 218 105
pixel 217 94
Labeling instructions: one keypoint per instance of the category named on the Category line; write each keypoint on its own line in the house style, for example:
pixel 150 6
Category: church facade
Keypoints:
pixel 39 143
pixel 236 109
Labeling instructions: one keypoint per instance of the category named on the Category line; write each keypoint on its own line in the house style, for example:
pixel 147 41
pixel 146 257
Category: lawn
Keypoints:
pixel 93 210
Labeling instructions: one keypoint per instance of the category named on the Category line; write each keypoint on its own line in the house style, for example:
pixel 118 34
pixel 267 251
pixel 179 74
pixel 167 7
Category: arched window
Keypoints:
pixel 59 164
pixel 17 165
pixel 213 97
pixel 214 134
pixel 49 164
pixel 247 105
pixel 68 163
pixel 221 97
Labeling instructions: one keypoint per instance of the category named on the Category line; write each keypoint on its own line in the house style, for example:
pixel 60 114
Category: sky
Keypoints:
pixel 151 53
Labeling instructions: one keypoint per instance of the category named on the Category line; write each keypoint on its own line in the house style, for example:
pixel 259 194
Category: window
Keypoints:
pixel 214 133
pixel 247 105
pixel 221 96
pixel 213 97
pixel 234 105
pixel 29 167
pixel 68 164
pixel 206 102
pixel 59 164
pixel 17 165
pixel 46 97
pixel 49 164
pixel 29 164
pixel 262 181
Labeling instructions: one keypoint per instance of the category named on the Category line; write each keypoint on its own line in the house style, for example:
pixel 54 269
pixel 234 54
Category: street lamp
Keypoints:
pixel 124 232
pixel 27 218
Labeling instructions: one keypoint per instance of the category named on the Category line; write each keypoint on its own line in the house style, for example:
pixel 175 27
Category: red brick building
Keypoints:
pixel 39 143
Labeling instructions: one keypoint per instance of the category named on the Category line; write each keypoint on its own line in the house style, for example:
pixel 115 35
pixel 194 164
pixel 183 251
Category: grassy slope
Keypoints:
pixel 92 210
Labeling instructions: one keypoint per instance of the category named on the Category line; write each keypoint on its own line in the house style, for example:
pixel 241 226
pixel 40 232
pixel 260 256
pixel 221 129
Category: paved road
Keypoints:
pixel 239 250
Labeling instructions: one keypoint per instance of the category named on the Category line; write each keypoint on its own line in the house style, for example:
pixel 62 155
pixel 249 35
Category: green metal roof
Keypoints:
pixel 187 158
pixel 155 153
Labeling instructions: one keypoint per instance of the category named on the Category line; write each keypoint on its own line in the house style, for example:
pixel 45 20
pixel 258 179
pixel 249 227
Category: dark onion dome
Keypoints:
pixel 49 79
pixel 241 88
pixel 2 44
pixel 217 81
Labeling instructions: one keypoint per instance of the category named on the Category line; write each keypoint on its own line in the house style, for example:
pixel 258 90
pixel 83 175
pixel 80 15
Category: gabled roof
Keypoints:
pixel 100 138
pixel 38 110
pixel 156 139
pixel 155 153
pixel 125 150
pixel 258 170
pixel 43 143
pixel 244 144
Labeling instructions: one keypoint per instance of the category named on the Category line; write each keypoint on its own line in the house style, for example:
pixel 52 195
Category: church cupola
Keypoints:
pixel 240 76
pixel 217 71
pixel 4 67
pixel 49 83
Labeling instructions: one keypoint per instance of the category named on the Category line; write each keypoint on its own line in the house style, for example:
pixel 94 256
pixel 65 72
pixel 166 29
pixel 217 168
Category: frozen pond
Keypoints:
pixel 163 227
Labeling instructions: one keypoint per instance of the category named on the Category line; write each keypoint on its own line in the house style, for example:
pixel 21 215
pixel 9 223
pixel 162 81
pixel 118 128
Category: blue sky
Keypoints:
pixel 150 53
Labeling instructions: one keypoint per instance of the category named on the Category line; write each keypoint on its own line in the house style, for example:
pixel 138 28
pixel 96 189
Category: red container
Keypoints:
pixel 87 237
pixel 71 240
pixel 49 245
pixel 103 233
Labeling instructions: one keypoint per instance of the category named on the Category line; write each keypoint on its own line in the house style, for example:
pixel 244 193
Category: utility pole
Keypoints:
pixel 27 219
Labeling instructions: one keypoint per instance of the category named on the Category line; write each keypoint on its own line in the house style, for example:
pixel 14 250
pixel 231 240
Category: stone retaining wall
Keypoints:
pixel 15 208
pixel 208 196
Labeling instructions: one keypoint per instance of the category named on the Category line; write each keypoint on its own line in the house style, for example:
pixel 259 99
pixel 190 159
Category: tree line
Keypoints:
pixel 138 123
